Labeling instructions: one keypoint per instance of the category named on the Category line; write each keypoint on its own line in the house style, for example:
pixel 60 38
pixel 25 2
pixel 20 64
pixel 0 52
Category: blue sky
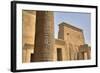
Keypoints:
pixel 81 20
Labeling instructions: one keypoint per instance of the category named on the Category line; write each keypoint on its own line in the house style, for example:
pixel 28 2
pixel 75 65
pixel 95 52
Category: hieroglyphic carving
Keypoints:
pixel 44 40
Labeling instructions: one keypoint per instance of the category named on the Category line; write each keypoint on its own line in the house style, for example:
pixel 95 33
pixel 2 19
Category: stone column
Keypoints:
pixel 44 37
pixel 85 55
pixel 81 55
pixel 89 52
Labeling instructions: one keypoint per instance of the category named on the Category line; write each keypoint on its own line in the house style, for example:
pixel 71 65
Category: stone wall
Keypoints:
pixel 73 38
pixel 28 34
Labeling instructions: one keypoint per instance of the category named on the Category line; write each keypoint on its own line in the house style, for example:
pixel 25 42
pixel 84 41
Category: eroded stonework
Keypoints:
pixel 39 43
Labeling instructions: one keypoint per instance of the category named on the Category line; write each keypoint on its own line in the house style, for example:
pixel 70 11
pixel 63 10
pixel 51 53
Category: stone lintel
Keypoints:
pixel 59 42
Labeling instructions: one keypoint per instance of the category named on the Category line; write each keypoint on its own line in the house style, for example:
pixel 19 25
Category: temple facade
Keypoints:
pixel 39 44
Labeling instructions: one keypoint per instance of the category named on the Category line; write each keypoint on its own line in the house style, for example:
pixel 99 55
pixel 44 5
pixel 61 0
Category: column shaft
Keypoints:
pixel 44 37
